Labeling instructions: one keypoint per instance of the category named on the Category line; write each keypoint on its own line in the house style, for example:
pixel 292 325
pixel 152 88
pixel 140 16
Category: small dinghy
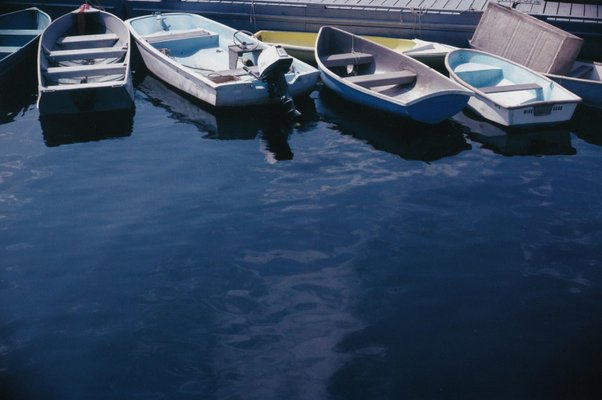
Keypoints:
pixel 508 93
pixel 367 73
pixel 218 64
pixel 19 32
pixel 585 80
pixel 84 64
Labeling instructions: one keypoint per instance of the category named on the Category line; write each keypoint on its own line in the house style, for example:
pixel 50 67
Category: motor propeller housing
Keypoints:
pixel 273 63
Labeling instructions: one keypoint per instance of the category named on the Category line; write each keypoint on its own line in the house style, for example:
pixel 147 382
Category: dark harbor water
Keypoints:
pixel 174 253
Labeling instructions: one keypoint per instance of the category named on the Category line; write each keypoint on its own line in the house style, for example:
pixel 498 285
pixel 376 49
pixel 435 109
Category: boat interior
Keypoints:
pixel 367 65
pixel 18 30
pixel 503 82
pixel 492 81
pixel 586 70
pixel 218 56
pixel 91 48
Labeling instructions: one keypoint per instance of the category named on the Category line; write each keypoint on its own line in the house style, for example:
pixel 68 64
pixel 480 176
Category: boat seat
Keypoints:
pixel 174 35
pixel 344 59
pixel 510 88
pixel 235 52
pixel 87 41
pixel 581 71
pixel 476 74
pixel 388 78
pixel 85 70
pixel 20 32
pixel 83 54
pixel 8 49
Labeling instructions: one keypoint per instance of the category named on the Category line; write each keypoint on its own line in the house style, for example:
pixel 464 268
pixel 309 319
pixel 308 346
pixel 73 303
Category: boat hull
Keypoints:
pixel 527 115
pixel 236 95
pixel 589 87
pixel 202 66
pixel 70 82
pixel 380 78
pixel 302 45
pixel 433 110
pixel 507 93
pixel 19 35
pixel 87 99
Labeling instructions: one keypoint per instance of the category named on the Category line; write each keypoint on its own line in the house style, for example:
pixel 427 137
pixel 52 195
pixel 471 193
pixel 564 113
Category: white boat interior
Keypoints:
pixel 84 47
pixel 218 56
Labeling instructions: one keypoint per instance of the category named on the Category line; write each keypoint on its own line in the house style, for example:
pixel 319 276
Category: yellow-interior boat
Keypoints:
pixel 301 45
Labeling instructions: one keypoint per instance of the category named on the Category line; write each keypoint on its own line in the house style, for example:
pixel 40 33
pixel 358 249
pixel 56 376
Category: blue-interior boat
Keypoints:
pixel 217 64
pixel 364 72
pixel 508 93
pixel 19 32
pixel 585 80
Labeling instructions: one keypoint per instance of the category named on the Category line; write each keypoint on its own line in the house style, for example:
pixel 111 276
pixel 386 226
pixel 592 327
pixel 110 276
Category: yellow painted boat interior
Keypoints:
pixel 307 40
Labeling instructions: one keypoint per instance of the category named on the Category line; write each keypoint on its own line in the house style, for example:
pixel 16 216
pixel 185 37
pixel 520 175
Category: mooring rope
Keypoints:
pixel 252 16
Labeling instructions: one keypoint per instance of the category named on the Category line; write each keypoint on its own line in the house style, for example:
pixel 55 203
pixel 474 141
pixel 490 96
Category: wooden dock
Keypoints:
pixel 446 21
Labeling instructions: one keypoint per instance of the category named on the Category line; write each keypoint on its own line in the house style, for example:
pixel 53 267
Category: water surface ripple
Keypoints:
pixel 177 252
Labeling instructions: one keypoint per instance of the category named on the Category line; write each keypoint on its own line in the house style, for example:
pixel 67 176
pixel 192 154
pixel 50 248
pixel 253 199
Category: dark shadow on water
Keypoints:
pixel 18 92
pixel 268 123
pixel 538 141
pixel 406 138
pixel 587 124
pixel 69 129
pixel 13 381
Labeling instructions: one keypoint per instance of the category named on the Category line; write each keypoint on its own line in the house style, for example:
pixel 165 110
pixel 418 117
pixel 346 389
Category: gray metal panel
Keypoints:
pixel 526 40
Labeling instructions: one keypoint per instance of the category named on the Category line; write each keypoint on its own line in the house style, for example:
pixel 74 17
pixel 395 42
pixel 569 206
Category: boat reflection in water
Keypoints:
pixel 547 140
pixel 18 93
pixel 406 138
pixel 68 129
pixel 586 124
pixel 247 123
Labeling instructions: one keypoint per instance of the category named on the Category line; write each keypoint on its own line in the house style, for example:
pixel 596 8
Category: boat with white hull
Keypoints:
pixel 508 93
pixel 216 63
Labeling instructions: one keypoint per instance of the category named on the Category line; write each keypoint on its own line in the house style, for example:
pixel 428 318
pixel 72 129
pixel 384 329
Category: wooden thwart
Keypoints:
pixel 20 32
pixel 84 54
pixel 509 88
pixel 87 41
pixel 168 35
pixel 85 70
pixel 389 78
pixel 343 59
pixel 8 49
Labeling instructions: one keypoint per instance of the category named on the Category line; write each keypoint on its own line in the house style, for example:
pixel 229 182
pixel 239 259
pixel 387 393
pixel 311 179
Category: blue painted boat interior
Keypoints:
pixel 481 70
pixel 194 42
pixel 18 29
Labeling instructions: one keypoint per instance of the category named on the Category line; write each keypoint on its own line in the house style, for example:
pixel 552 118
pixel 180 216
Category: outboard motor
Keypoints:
pixel 273 63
